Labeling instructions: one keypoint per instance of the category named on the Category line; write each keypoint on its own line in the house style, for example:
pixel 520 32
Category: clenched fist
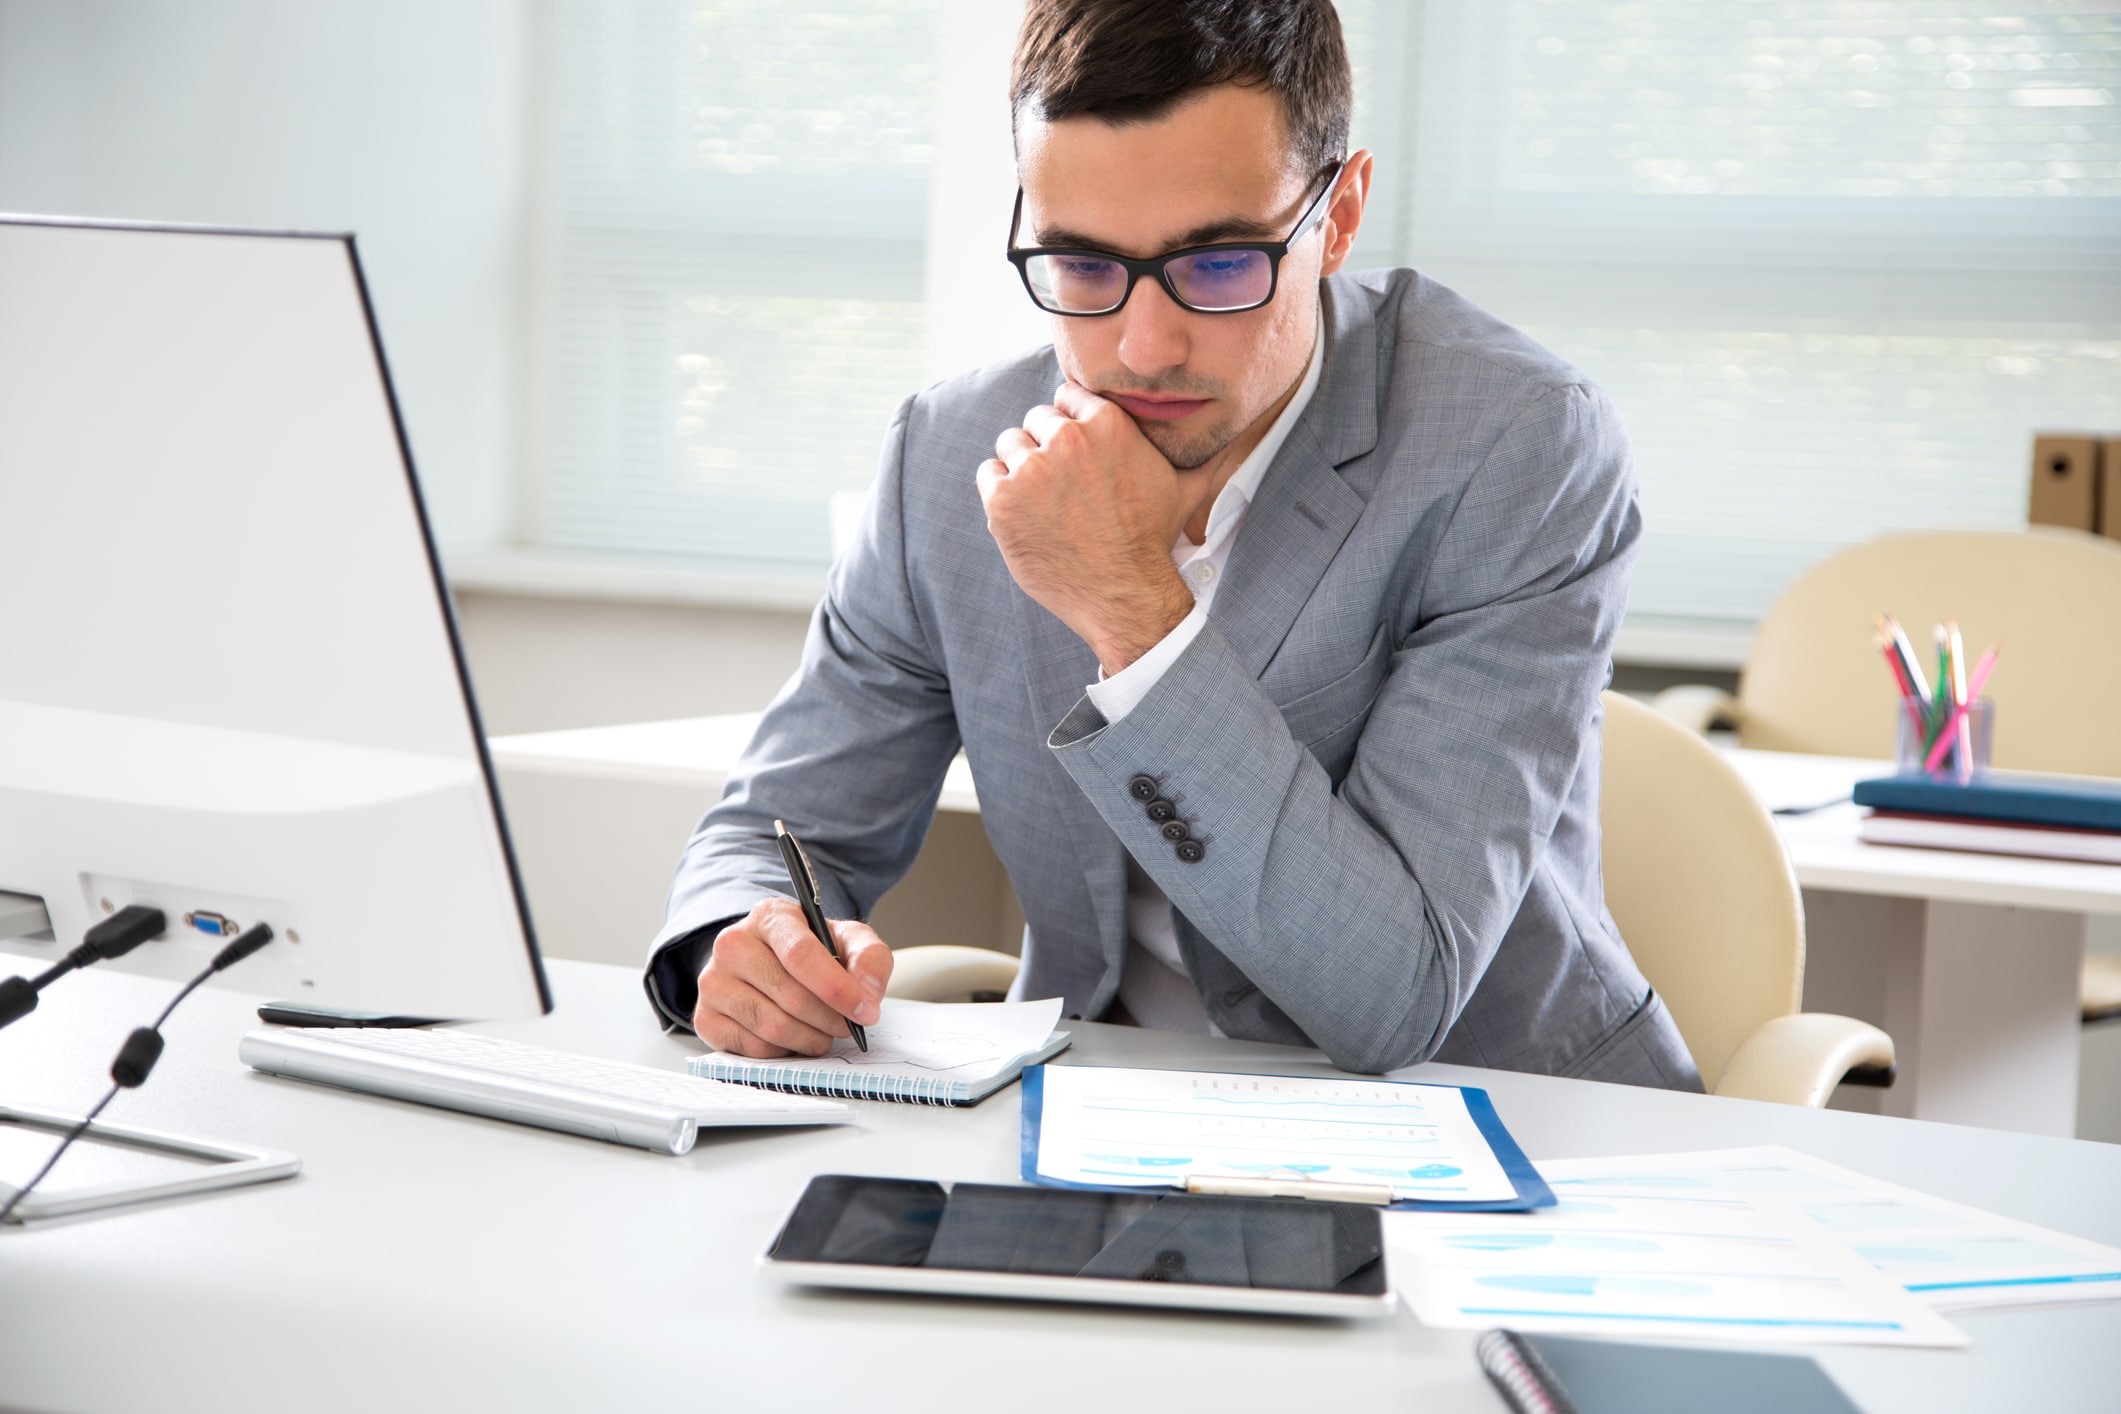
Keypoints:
pixel 1085 510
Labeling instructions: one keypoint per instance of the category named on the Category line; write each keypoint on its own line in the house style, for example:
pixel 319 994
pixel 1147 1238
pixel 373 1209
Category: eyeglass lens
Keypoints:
pixel 1205 280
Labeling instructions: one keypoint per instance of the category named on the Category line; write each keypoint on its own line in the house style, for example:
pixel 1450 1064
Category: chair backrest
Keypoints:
pixel 2051 598
pixel 1699 882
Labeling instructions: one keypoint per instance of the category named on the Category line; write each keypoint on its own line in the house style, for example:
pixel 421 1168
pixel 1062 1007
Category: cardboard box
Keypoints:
pixel 2110 487
pixel 2065 481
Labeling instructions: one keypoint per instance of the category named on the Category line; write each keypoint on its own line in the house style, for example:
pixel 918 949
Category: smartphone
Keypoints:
pixel 299 1014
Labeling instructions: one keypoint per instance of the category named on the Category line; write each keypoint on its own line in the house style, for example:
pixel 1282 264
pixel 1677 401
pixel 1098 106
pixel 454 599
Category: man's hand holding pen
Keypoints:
pixel 770 989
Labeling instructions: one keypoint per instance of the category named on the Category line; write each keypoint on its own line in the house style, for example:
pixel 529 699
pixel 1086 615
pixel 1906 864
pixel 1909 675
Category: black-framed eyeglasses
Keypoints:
pixel 1208 279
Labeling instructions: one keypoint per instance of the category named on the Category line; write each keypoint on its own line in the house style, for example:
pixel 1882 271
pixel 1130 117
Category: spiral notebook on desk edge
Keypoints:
pixel 926 1053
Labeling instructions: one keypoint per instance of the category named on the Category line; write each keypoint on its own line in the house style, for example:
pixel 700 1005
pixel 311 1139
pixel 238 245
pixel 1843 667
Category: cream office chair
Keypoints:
pixel 1814 681
pixel 943 972
pixel 1698 880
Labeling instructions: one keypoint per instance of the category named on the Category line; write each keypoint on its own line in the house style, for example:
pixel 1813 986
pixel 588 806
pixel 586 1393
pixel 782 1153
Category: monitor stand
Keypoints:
pixel 206 1164
pixel 202 1166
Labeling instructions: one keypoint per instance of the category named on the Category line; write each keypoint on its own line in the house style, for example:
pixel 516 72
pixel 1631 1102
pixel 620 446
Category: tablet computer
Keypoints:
pixel 1283 1255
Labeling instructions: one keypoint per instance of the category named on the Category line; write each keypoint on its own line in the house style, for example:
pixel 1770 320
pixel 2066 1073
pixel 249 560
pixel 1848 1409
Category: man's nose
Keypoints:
pixel 1154 332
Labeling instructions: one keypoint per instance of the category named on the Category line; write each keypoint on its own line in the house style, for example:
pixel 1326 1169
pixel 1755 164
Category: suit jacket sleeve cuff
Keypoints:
pixel 1114 697
pixel 673 976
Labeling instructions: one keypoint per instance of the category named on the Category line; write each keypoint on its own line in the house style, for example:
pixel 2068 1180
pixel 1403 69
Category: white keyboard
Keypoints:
pixel 483 1075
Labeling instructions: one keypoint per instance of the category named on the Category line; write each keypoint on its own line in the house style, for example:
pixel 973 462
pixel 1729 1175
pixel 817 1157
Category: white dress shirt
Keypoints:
pixel 1155 988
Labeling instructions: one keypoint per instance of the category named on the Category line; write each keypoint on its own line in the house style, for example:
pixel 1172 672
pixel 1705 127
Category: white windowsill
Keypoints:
pixel 1645 641
pixel 547 574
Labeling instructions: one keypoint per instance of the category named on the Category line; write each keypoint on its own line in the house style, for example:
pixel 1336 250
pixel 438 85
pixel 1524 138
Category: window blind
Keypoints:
pixel 1834 259
pixel 735 213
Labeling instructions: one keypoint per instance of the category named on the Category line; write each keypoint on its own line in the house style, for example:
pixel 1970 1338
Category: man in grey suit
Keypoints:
pixel 1274 636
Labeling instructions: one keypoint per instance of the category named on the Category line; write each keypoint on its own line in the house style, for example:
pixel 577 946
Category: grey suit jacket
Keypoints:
pixel 1384 745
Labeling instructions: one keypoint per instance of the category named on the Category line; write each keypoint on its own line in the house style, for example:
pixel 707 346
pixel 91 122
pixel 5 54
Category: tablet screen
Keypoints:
pixel 1259 1243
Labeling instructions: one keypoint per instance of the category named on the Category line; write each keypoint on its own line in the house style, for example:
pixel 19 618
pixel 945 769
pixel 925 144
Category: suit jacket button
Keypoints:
pixel 1175 830
pixel 1142 788
pixel 1161 810
pixel 1191 851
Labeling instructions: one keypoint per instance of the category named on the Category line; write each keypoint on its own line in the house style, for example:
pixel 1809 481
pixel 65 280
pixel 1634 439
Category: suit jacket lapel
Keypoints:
pixel 1304 509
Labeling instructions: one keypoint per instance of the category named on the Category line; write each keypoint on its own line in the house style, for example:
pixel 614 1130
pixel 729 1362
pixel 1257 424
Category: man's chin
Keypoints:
pixel 1187 449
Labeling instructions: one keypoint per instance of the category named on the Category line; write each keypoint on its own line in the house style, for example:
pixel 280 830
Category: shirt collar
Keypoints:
pixel 1237 493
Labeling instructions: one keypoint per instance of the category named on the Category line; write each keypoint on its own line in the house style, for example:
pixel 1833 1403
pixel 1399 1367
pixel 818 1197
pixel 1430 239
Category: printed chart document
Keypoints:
pixel 1112 1127
pixel 1947 1254
pixel 1639 1261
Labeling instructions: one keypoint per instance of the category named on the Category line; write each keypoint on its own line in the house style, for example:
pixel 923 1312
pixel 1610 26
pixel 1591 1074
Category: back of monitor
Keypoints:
pixel 229 681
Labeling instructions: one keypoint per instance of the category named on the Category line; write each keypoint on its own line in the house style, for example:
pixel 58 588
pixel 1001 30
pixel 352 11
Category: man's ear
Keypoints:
pixel 1344 215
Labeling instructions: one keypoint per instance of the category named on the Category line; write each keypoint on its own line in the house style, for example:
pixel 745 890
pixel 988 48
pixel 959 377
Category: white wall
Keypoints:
pixel 541 663
pixel 401 121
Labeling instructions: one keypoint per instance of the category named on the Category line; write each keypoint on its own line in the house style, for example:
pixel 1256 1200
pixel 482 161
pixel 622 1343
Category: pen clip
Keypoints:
pixel 806 879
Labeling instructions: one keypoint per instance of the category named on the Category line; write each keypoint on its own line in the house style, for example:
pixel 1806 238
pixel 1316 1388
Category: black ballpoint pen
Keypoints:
pixel 813 907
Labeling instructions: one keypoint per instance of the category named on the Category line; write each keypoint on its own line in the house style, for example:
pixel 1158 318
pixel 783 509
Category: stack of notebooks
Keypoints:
pixel 1999 812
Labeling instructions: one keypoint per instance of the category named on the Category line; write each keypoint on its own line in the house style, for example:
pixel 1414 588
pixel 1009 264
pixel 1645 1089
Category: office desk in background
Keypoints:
pixel 598 816
pixel 1969 961
pixel 430 1260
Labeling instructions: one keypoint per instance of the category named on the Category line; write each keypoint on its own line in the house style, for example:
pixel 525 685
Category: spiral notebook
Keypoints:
pixel 925 1053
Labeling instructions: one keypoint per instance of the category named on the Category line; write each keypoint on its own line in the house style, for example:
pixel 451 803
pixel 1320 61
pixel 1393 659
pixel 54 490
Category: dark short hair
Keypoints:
pixel 1133 61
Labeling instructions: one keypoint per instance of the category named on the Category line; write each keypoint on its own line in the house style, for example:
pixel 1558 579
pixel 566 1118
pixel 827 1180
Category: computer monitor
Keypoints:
pixel 230 680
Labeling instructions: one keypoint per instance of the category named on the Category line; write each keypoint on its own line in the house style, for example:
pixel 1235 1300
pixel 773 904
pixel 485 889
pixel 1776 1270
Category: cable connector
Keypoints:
pixel 115 936
pixel 119 934
pixel 258 935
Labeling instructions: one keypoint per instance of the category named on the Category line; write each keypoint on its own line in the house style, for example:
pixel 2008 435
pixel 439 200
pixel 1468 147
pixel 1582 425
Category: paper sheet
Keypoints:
pixel 1949 1255
pixel 1643 1263
pixel 1110 1127
pixel 930 1041
pixel 931 1038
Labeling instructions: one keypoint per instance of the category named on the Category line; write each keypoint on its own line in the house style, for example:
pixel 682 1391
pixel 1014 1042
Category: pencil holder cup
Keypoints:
pixel 1956 756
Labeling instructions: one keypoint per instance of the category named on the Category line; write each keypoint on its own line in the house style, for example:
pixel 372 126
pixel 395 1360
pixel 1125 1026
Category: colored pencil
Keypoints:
pixel 1962 721
pixel 1909 698
pixel 1977 680
pixel 1907 655
pixel 1939 704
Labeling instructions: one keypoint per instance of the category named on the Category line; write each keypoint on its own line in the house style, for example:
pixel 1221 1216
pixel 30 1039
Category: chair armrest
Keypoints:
pixel 945 972
pixel 1697 707
pixel 1798 1060
pixel 2102 986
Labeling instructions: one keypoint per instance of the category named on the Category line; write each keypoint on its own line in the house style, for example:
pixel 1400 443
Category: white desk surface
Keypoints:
pixel 1826 853
pixel 430 1260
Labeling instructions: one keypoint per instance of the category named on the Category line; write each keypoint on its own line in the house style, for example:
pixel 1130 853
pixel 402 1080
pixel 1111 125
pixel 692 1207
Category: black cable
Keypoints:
pixel 136 1058
pixel 64 1144
pixel 115 936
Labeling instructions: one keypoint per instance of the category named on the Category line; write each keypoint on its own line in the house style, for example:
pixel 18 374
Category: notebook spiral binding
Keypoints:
pixel 847 1085
pixel 1524 1379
